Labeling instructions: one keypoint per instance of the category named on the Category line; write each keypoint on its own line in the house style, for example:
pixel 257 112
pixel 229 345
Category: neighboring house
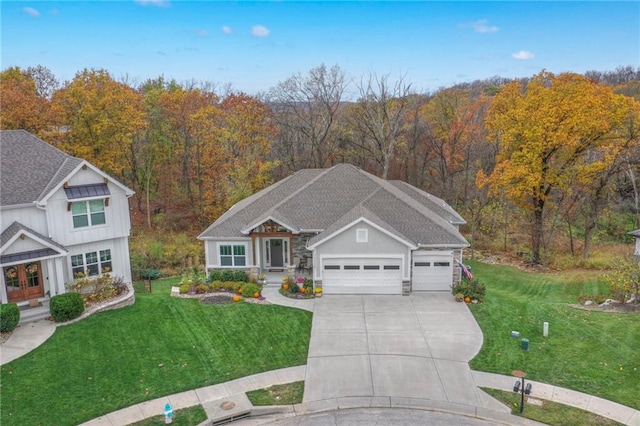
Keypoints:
pixel 636 234
pixel 59 215
pixel 355 232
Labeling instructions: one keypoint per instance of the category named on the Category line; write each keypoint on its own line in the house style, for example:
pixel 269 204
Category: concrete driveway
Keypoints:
pixel 415 346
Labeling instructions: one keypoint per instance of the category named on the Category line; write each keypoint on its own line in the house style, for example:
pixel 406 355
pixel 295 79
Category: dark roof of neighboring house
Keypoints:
pixel 325 200
pixel 30 167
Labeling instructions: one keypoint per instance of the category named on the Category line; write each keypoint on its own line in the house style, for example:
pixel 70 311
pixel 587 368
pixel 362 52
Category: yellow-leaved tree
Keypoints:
pixel 552 132
pixel 99 118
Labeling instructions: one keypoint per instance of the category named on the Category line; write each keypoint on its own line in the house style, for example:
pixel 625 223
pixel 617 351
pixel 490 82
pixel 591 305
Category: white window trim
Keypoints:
pixel 232 244
pixel 86 202
pixel 362 235
pixel 98 262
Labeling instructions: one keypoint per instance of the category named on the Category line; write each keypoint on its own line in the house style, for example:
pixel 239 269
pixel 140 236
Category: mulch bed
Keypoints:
pixel 218 300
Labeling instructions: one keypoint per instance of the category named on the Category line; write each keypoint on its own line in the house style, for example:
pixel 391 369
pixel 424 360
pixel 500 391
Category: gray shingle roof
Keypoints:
pixel 328 199
pixel 30 167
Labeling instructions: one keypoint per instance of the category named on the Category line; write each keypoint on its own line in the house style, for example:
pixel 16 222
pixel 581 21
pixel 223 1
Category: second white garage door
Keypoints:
pixel 361 276
pixel 432 271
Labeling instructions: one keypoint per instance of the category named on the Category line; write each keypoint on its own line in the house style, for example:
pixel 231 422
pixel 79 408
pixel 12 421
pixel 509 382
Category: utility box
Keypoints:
pixel 524 344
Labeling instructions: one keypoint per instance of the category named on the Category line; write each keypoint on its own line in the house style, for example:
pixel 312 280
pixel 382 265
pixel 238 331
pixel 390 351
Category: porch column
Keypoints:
pixel 59 276
pixel 3 288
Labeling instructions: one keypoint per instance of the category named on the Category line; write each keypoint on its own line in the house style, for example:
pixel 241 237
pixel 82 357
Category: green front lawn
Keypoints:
pixel 592 352
pixel 159 346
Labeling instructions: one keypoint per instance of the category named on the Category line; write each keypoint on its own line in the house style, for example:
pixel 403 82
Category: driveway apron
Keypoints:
pixel 415 346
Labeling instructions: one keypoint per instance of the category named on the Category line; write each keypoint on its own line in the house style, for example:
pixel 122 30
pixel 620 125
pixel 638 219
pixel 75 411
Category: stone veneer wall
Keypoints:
pixel 299 244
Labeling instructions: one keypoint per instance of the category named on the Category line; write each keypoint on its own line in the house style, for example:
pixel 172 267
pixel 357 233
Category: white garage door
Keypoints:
pixel 432 271
pixel 361 276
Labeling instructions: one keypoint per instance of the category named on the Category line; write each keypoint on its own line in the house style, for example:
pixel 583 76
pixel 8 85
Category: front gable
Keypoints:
pixel 20 243
pixel 270 225
pixel 85 182
pixel 360 231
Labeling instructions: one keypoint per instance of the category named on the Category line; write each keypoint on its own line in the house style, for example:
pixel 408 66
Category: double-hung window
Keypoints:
pixel 233 255
pixel 88 213
pixel 91 263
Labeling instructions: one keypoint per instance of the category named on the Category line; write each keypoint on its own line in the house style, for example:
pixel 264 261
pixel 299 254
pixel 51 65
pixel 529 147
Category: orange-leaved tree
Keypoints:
pixel 25 99
pixel 99 118
pixel 552 131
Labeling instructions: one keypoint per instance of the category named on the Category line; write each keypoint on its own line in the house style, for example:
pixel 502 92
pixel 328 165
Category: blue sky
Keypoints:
pixel 255 45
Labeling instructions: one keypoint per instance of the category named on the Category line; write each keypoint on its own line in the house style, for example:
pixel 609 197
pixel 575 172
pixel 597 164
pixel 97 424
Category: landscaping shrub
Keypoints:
pixel 9 317
pixel 237 286
pixel 216 285
pixel 227 275
pixel 215 275
pixel 228 285
pixel 185 288
pixel 294 288
pixel 472 289
pixel 202 288
pixel 150 274
pixel 96 289
pixel 249 289
pixel 67 306
pixel 240 276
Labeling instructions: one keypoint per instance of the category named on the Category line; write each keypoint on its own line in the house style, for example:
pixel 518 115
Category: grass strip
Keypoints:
pixel 285 394
pixel 549 412
pixel 190 416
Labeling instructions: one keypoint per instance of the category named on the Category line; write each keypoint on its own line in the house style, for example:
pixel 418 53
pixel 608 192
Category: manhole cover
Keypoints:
pixel 227 405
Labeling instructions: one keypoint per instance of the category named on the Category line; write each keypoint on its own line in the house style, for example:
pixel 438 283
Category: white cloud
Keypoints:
pixel 202 33
pixel 226 30
pixel 523 55
pixel 482 26
pixel 31 11
pixel 157 3
pixel 259 31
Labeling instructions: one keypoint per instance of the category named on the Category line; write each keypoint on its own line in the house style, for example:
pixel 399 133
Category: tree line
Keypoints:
pixel 549 154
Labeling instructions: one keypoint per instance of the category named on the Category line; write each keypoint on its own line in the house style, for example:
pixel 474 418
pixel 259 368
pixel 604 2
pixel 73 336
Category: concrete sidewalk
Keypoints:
pixel 25 338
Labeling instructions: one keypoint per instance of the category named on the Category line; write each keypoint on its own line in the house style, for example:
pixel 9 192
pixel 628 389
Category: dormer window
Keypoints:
pixel 87 204
pixel 88 213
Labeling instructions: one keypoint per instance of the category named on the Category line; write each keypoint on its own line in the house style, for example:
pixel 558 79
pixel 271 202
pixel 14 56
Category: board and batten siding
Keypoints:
pixel 119 257
pixel 118 223
pixel 30 216
pixel 378 244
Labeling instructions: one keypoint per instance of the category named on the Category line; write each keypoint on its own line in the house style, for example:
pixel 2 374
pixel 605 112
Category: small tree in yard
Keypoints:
pixel 624 280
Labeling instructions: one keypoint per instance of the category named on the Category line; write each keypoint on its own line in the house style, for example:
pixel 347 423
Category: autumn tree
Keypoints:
pixel 180 107
pixel 547 132
pixel 234 139
pixel 377 118
pixel 306 109
pixel 100 118
pixel 455 132
pixel 25 99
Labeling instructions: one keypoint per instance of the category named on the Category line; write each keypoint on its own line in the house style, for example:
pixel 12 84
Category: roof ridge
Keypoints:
pixel 56 177
pixel 296 192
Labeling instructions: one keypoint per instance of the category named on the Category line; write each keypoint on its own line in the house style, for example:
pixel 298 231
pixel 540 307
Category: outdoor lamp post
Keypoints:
pixel 524 390
pixel 520 386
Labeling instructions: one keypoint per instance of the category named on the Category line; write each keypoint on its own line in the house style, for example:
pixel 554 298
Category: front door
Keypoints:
pixel 275 248
pixel 24 281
